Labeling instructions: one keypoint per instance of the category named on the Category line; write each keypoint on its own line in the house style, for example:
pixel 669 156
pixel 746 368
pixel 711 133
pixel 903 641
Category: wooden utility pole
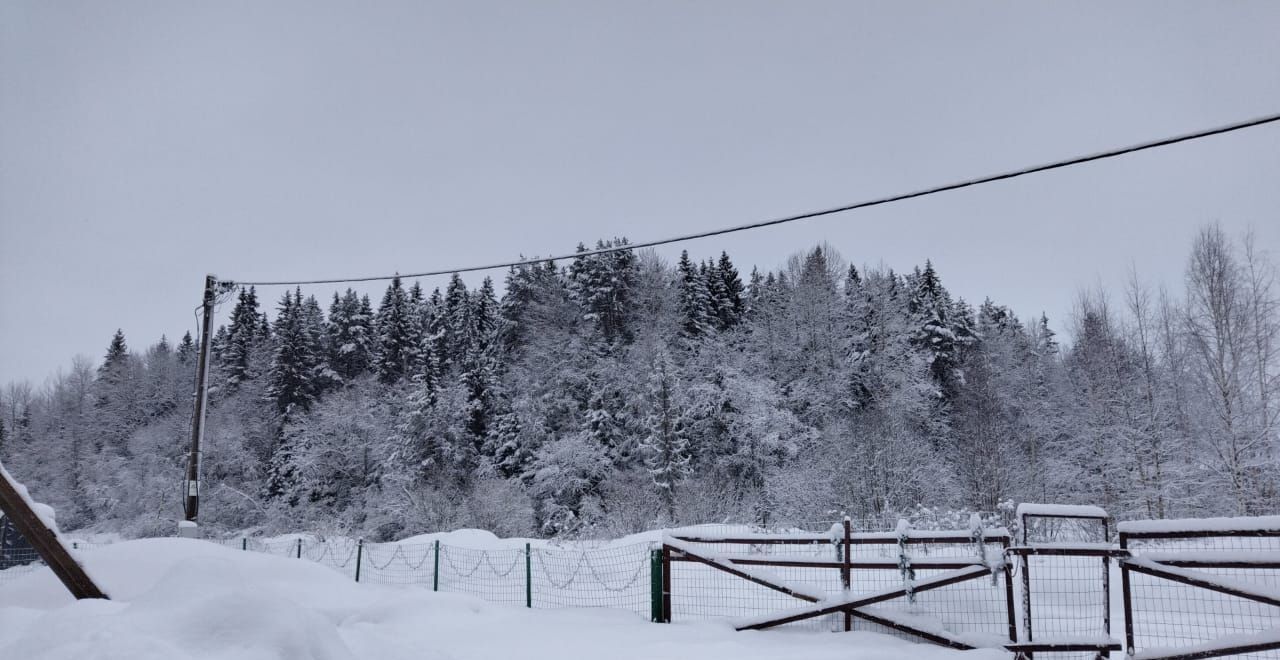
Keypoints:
pixel 19 512
pixel 191 503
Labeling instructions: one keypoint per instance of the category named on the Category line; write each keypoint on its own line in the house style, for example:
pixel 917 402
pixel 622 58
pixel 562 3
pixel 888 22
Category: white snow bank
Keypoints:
pixel 181 598
pixel 1061 510
pixel 1241 524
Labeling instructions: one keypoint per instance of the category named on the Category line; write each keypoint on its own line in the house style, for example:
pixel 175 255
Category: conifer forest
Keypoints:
pixel 618 392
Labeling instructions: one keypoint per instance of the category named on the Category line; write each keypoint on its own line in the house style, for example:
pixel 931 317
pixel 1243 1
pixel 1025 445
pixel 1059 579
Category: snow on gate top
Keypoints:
pixel 1061 510
pixel 1243 524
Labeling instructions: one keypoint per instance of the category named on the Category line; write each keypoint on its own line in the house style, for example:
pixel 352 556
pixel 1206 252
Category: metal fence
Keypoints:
pixel 1188 589
pixel 1201 589
pixel 548 577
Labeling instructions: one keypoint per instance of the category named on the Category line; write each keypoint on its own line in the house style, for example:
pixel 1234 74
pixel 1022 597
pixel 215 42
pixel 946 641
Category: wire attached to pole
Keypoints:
pixel 1102 155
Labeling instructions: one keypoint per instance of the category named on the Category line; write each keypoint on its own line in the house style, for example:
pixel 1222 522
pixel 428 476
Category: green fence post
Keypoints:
pixel 359 556
pixel 435 572
pixel 655 586
pixel 528 576
pixel 244 543
pixel 299 548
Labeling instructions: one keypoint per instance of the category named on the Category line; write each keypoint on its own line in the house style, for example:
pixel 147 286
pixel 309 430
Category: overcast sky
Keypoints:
pixel 144 144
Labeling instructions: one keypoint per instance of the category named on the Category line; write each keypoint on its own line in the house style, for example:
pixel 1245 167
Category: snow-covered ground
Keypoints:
pixel 179 598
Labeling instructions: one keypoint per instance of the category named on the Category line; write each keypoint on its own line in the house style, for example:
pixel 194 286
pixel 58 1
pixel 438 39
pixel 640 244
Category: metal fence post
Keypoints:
pixel 528 576
pixel 666 583
pixel 846 578
pixel 359 556
pixel 435 569
pixel 1008 588
pixel 1127 596
pixel 1026 596
pixel 655 586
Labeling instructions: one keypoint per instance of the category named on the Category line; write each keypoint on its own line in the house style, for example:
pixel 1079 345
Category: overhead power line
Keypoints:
pixel 1102 155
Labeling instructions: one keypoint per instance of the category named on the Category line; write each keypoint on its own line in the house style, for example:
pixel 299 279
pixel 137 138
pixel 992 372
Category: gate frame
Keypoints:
pixel 674 548
pixel 1137 564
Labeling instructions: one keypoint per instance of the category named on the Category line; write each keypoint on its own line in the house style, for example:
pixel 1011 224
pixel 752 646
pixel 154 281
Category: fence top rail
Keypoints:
pixel 1069 550
pixel 1211 557
pixel 1062 511
pixel 757 538
pixel 1201 527
pixel 992 535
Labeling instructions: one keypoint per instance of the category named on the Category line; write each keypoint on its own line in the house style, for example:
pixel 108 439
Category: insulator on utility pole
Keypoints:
pixel 191 501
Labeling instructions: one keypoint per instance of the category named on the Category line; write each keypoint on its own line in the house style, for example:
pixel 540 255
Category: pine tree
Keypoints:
pixel 755 291
pixel 602 284
pixel 186 353
pixel 458 322
pixel 666 448
pixel 852 279
pixel 1046 337
pixel 512 456
pixel 694 300
pixel 351 335
pixel 731 306
pixel 484 305
pixel 116 360
pixel 242 340
pixel 937 329
pixel 293 381
pixel 117 396
pixel 394 324
pixel 419 319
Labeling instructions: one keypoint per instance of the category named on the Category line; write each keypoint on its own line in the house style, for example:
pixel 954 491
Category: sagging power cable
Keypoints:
pixel 966 183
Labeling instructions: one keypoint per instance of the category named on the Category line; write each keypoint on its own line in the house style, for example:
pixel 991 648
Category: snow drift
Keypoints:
pixel 180 598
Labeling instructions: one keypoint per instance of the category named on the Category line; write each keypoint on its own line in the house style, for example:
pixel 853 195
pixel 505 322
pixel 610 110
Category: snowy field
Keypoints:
pixel 177 598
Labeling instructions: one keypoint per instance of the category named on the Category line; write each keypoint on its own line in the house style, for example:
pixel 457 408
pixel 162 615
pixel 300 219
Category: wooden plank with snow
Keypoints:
pixel 41 532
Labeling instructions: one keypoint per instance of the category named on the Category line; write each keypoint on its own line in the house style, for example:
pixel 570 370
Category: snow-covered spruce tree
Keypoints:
pixel 117 397
pixel 419 319
pixel 730 306
pixel 160 373
pixel 351 339
pixel 394 326
pixel 296 377
pixel 601 284
pixel 666 447
pixel 696 314
pixel 243 339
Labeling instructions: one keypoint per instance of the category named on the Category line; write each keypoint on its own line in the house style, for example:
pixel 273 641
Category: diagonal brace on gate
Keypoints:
pixel 757 577
pixel 1205 581
pixel 853 603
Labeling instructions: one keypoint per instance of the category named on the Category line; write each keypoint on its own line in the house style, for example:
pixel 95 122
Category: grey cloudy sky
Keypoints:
pixel 143 144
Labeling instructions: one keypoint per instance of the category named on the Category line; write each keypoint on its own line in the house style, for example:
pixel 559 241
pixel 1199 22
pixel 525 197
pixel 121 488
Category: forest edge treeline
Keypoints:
pixel 616 393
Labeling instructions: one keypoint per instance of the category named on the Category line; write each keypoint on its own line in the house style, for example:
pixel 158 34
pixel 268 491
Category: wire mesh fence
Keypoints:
pixel 1204 589
pixel 17 562
pixel 967 584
